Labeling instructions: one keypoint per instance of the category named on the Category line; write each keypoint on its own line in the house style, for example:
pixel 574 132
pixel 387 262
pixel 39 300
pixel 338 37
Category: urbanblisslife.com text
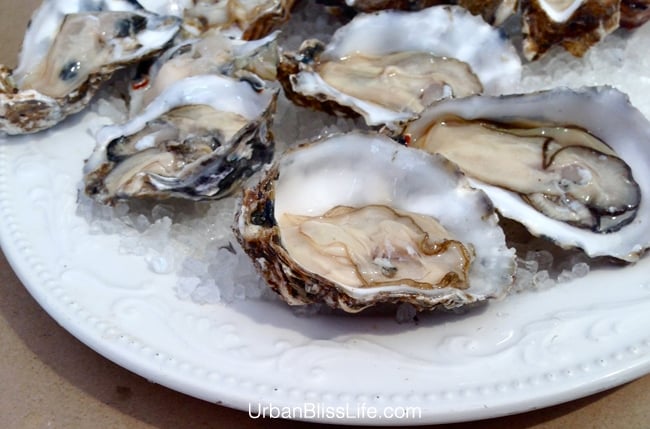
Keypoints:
pixel 320 411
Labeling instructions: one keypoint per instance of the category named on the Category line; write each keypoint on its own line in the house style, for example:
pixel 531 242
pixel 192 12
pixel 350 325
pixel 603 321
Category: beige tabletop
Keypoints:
pixel 49 379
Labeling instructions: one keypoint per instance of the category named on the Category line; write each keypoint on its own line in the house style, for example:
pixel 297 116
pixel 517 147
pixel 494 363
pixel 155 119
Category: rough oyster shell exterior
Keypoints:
pixel 577 31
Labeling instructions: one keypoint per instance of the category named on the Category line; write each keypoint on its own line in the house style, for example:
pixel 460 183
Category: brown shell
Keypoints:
pixel 30 111
pixel 634 13
pixel 266 23
pixel 589 24
pixel 488 9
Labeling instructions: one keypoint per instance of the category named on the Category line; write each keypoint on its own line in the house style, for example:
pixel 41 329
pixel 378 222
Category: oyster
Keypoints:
pixel 390 65
pixel 574 24
pixel 255 19
pixel 570 165
pixel 321 226
pixel 197 140
pixel 248 19
pixel 48 85
pixel 212 53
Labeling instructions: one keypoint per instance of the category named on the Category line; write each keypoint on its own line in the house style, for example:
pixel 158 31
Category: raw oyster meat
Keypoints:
pixel 356 220
pixel 212 53
pixel 255 18
pixel 570 165
pixel 389 65
pixel 50 84
pixel 248 19
pixel 197 140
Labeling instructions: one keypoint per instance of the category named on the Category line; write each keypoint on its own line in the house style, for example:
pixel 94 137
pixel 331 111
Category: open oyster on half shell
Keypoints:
pixel 574 24
pixel 388 66
pixel 212 53
pixel 356 220
pixel 197 140
pixel 67 56
pixel 570 165
pixel 247 19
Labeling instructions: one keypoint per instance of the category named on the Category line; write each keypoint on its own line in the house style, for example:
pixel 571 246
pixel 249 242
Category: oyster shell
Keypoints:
pixel 575 24
pixel 256 18
pixel 323 227
pixel 48 85
pixel 248 19
pixel 389 65
pixel 212 53
pixel 634 13
pixel 570 165
pixel 494 12
pixel 197 140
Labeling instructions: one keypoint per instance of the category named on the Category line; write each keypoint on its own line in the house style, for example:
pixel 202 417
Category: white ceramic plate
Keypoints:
pixel 531 350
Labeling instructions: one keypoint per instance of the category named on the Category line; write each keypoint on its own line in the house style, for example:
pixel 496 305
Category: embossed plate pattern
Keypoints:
pixel 528 351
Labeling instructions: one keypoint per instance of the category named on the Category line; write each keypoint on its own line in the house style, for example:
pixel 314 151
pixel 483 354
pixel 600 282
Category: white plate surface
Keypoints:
pixel 528 351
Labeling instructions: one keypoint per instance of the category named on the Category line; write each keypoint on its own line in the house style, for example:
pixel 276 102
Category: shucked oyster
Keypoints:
pixel 212 53
pixel 248 19
pixel 255 18
pixel 355 220
pixel 198 139
pixel 50 84
pixel 568 165
pixel 574 24
pixel 390 65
